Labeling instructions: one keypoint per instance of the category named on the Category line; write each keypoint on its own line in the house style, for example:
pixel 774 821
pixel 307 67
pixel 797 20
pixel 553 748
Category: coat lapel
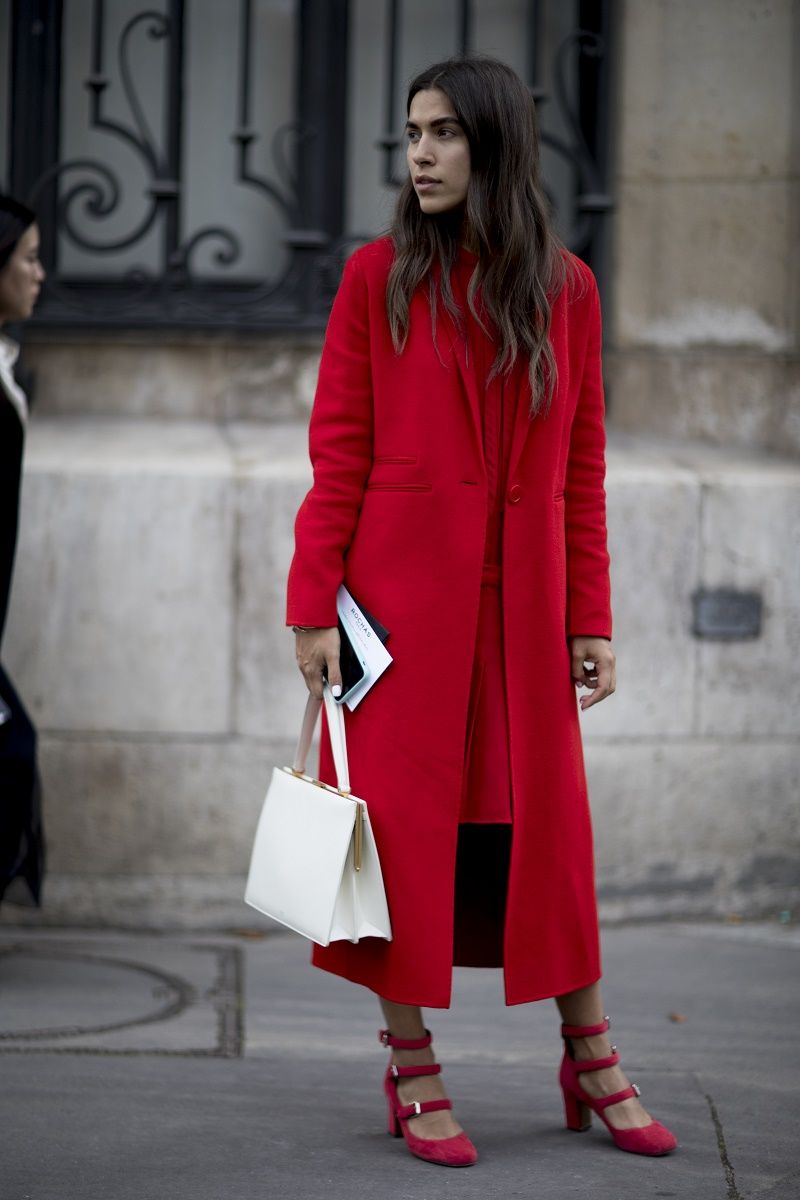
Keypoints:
pixel 469 386
pixel 517 385
pixel 522 421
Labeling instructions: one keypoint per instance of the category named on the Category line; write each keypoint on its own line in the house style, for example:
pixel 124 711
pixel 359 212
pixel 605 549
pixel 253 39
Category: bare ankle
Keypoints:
pixel 597 1046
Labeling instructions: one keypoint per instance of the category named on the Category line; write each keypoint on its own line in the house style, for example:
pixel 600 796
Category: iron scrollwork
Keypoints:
pixel 592 202
pixel 83 193
pixel 175 293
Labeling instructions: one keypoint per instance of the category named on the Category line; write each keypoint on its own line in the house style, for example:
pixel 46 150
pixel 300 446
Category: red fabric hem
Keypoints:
pixel 509 1001
pixel 561 991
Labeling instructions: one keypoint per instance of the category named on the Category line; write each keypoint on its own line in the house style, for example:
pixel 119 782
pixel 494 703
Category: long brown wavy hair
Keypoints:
pixel 506 217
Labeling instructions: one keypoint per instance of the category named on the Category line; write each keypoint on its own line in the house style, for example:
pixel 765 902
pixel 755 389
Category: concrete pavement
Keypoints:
pixel 222 1066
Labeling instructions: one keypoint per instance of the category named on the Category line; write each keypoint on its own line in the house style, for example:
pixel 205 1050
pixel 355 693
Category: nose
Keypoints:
pixel 422 152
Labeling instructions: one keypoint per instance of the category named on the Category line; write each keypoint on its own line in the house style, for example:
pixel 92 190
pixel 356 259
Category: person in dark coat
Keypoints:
pixel 22 848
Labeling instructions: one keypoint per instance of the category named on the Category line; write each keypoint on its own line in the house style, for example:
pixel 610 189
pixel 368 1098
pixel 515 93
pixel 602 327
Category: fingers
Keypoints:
pixel 317 654
pixel 600 676
pixel 580 673
pixel 603 685
pixel 334 673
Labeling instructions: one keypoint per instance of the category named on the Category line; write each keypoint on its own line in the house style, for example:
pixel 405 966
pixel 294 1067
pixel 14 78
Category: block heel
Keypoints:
pixel 579 1115
pixel 393 1123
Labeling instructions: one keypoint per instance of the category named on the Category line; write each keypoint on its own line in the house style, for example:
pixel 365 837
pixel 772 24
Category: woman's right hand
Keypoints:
pixel 314 650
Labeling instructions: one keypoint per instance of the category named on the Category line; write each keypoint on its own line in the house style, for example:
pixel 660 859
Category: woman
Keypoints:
pixel 21 837
pixel 458 447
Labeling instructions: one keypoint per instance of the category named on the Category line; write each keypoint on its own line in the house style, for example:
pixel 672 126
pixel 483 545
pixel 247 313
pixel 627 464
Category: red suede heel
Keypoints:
pixel 455 1151
pixel 653 1139
pixel 394 1129
pixel 579 1115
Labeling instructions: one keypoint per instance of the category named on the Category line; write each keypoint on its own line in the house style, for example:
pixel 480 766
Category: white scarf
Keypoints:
pixel 9 353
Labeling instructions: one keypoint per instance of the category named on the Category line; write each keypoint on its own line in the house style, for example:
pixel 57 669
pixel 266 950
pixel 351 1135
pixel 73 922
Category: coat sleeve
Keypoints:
pixel 340 448
pixel 588 560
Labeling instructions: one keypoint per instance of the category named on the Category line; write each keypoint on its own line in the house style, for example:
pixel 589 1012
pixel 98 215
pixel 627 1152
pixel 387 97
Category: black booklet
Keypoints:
pixel 362 657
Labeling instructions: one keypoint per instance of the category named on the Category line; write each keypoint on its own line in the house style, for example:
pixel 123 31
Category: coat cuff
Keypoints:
pixel 323 618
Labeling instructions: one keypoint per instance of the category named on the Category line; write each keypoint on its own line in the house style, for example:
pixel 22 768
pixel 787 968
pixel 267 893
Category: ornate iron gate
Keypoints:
pixel 76 195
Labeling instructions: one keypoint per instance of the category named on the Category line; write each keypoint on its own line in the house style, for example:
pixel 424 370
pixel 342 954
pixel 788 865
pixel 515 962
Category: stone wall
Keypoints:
pixel 705 306
pixel 147 636
pixel 208 377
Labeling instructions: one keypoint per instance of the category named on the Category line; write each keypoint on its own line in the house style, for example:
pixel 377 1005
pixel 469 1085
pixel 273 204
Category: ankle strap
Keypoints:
pixel 406 1111
pixel 386 1039
pixel 596 1064
pixel 585 1030
pixel 424 1069
pixel 616 1097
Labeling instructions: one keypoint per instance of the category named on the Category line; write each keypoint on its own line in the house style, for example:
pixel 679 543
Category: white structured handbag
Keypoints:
pixel 314 865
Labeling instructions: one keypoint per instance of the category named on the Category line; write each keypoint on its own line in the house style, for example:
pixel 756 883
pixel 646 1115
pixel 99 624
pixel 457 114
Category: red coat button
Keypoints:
pixel 515 494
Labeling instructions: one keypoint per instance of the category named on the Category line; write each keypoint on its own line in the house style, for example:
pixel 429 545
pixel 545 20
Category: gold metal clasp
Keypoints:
pixel 358 838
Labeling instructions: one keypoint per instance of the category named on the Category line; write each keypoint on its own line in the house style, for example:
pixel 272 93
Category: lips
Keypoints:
pixel 421 180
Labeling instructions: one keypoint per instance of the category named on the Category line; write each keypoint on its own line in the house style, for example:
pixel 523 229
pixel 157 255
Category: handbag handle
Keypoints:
pixel 335 715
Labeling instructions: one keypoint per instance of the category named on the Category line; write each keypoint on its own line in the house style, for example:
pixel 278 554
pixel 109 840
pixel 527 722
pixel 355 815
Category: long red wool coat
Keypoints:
pixel 397 510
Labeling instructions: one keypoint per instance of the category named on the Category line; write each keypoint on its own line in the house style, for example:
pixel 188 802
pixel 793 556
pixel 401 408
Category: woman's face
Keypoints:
pixel 438 152
pixel 21 278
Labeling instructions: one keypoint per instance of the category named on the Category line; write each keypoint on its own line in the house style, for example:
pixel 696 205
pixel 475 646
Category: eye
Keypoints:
pixel 412 134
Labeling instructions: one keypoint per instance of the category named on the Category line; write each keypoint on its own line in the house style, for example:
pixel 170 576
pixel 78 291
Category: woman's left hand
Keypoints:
pixel 601 677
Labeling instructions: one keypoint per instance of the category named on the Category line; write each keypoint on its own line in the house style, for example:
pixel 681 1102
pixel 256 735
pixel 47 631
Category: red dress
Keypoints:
pixel 487 795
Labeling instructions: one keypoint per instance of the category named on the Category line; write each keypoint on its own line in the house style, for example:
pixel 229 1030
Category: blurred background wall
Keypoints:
pixel 201 172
